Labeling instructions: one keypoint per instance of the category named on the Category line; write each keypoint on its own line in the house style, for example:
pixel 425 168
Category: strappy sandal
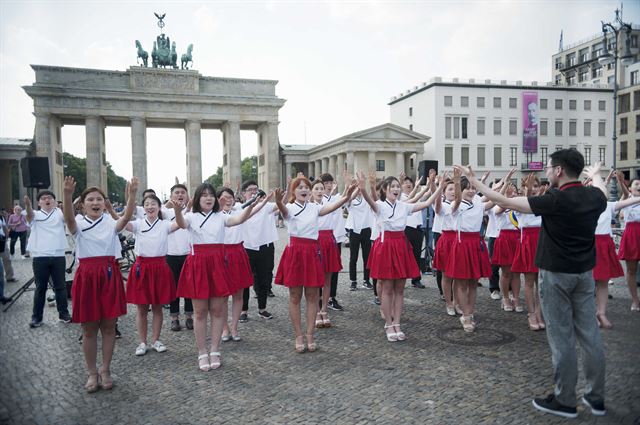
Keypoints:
pixel 533 322
pixel 506 305
pixel 391 336
pixel 467 325
pixel 319 321
pixel 399 334
pixel 203 366
pixel 106 384
pixel 325 320
pixel 217 364
pixel 300 348
pixel 311 346
pixel 92 388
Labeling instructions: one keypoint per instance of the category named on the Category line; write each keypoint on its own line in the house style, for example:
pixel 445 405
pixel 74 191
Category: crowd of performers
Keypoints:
pixel 210 247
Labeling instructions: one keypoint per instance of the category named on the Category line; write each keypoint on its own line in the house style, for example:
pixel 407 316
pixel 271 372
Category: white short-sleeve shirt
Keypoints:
pixel 96 238
pixel 206 228
pixel 445 217
pixel 47 237
pixel 631 213
pixel 360 215
pixel 469 215
pixel 261 228
pixel 393 217
pixel 178 241
pixel 234 234
pixel 493 230
pixel 502 220
pixel 528 220
pixel 152 238
pixel 415 219
pixel 302 219
pixel 604 221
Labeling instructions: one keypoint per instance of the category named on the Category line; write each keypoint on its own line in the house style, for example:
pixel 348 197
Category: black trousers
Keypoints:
pixel 494 280
pixel 45 268
pixel 357 241
pixel 23 242
pixel 436 236
pixel 262 269
pixel 175 263
pixel 334 277
pixel 415 237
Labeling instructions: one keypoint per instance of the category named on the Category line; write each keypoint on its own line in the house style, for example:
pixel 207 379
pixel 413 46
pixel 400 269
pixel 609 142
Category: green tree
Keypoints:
pixel 248 170
pixel 77 168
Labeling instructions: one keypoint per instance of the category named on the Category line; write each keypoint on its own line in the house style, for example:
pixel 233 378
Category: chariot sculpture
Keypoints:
pixel 164 52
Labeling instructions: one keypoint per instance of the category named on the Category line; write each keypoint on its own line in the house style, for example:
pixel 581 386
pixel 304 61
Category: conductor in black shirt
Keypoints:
pixel 565 256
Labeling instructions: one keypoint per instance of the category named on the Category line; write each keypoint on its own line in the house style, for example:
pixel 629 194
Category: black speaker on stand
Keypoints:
pixel 35 172
pixel 423 169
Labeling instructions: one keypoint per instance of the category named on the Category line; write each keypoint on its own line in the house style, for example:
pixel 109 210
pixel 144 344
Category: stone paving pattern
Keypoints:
pixel 440 375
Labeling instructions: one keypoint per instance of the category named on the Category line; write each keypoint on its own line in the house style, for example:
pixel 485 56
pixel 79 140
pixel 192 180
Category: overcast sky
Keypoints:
pixel 337 63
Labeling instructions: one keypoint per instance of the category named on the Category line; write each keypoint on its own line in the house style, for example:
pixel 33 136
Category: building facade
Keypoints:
pixel 628 126
pixel 480 123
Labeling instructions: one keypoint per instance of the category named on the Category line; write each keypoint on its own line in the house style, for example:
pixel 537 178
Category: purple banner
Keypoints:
pixel 530 122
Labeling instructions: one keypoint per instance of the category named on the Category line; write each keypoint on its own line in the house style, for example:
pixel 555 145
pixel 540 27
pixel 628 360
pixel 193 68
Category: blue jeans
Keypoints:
pixel 45 268
pixel 568 305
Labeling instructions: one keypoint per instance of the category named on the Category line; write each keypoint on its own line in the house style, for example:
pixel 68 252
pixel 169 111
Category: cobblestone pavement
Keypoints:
pixel 440 375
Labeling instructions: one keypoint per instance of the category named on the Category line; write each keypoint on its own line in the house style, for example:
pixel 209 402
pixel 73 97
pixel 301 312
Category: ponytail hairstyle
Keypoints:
pixel 154 198
pixel 385 186
pixel 294 185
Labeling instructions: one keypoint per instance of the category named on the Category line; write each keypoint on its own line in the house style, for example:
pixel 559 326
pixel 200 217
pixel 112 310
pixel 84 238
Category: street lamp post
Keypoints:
pixel 616 28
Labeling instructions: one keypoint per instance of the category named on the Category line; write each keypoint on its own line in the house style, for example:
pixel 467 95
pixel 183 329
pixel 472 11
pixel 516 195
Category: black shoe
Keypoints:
pixel 5 300
pixel 418 285
pixel 265 314
pixel 65 318
pixel 175 325
pixel 354 286
pixel 367 285
pixel 243 318
pixel 13 279
pixel 551 405
pixel 189 323
pixel 167 306
pixel 376 301
pixel 334 305
pixel 597 407
pixel 118 334
pixel 80 339
pixel 270 294
pixel 35 323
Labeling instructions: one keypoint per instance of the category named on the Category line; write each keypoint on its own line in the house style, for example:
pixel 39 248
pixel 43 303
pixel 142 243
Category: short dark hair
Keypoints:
pixel 178 186
pixel 248 183
pixel 144 193
pixel 570 160
pixel 408 178
pixel 45 193
pixel 325 177
pixel 225 189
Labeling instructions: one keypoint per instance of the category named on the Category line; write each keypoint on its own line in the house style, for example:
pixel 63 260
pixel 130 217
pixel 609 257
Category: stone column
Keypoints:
pixel 350 162
pixel 21 189
pixel 332 165
pixel 5 185
pixel 270 170
pixel 312 169
pixel 139 153
pixel 43 143
pixel 96 169
pixel 194 152
pixel 399 163
pixel 288 170
pixel 318 167
pixel 57 167
pixel 325 165
pixel 340 171
pixel 231 168
pixel 371 160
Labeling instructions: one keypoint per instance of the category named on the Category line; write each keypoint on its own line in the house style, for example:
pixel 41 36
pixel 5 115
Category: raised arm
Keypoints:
pixel 283 209
pixel 329 208
pixel 261 204
pixel 372 185
pixel 519 204
pixel 67 204
pixel 243 216
pixel 132 189
pixel 419 206
pixel 593 172
pixel 362 186
pixel 623 185
pixel 28 208
pixel 179 222
pixel 110 210
pixel 457 175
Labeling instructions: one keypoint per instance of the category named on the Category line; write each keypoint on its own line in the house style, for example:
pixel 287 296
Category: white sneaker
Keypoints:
pixel 142 349
pixel 159 347
pixel 495 295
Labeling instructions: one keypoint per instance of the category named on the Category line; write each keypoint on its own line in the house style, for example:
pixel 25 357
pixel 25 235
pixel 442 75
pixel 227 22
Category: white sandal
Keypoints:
pixel 391 336
pixel 212 364
pixel 399 334
pixel 204 367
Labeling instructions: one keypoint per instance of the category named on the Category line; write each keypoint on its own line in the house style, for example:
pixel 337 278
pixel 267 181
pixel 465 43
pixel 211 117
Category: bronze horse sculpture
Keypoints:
pixel 142 54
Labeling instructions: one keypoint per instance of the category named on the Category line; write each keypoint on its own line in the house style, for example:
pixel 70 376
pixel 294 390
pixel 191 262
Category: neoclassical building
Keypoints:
pixel 388 149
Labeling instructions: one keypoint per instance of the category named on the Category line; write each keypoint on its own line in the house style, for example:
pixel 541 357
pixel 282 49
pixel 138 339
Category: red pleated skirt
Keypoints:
pixel 443 250
pixel 239 267
pixel 630 243
pixel 150 282
pixel 607 262
pixel 204 274
pixel 301 264
pixel 393 258
pixel 98 291
pixel 331 261
pixel 524 258
pixel 469 257
pixel 504 247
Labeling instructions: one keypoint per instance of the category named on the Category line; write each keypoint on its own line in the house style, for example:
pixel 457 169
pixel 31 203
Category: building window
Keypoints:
pixel 497 127
pixel 447 127
pixel 573 124
pixel 411 127
pixel 544 127
pixel 637 123
pixel 528 157
pixel 602 105
pixel 636 101
pixel 634 41
pixel 497 102
pixel 463 122
pixel 448 101
pixel 587 128
pixel 601 128
pixel 379 164
pixel 623 151
pixel 596 72
pixel 513 156
pixel 513 127
pixel 544 154
pixel 559 128
pixel 480 126
pixel 456 127
pixel 571 80
pixel 543 103
pixel 587 105
pixel 464 101
pixel 513 102
pixel 464 155
pixel 601 154
pixel 634 78
pixel 410 111
pixel 558 79
pixel 480 102
pixel 481 155
pixel 624 103
pixel 448 155
pixel 587 155
pixel 583 75
pixel 558 104
pixel 497 156
pixel 623 125
pixel 573 104
pixel 571 59
pixel 637 149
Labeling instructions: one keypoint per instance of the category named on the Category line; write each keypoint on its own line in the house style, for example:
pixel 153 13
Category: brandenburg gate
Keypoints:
pixel 154 97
